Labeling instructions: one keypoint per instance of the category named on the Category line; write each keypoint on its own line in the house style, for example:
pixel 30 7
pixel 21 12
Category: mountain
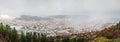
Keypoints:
pixel 28 17
pixel 59 16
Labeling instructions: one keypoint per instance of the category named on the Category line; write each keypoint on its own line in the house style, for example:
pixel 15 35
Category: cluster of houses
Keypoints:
pixel 54 27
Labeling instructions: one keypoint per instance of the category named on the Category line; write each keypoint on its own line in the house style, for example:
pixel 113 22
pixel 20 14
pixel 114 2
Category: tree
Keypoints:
pixel 43 38
pixel 22 37
pixel 14 35
pixel 1 29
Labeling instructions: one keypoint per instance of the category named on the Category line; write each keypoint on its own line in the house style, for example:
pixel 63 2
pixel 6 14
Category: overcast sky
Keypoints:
pixel 60 7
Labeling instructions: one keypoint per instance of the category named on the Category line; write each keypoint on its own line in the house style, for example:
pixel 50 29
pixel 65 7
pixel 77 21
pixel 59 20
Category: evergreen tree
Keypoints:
pixel 14 36
pixel 43 38
pixel 28 37
pixel 1 29
pixel 22 37
pixel 38 37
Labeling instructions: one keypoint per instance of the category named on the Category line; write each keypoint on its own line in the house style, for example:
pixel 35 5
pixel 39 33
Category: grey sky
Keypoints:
pixel 58 7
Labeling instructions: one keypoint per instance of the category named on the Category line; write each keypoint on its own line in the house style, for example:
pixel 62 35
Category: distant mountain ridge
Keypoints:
pixel 78 18
pixel 28 17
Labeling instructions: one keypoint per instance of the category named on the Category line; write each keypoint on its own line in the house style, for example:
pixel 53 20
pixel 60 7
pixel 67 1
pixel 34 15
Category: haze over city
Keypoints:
pixel 59 20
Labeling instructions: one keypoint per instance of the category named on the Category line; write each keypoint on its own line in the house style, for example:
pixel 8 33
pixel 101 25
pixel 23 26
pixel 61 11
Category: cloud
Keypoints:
pixel 58 7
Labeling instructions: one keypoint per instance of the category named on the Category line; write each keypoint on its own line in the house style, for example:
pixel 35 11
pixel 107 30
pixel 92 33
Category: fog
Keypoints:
pixel 85 14
pixel 93 8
